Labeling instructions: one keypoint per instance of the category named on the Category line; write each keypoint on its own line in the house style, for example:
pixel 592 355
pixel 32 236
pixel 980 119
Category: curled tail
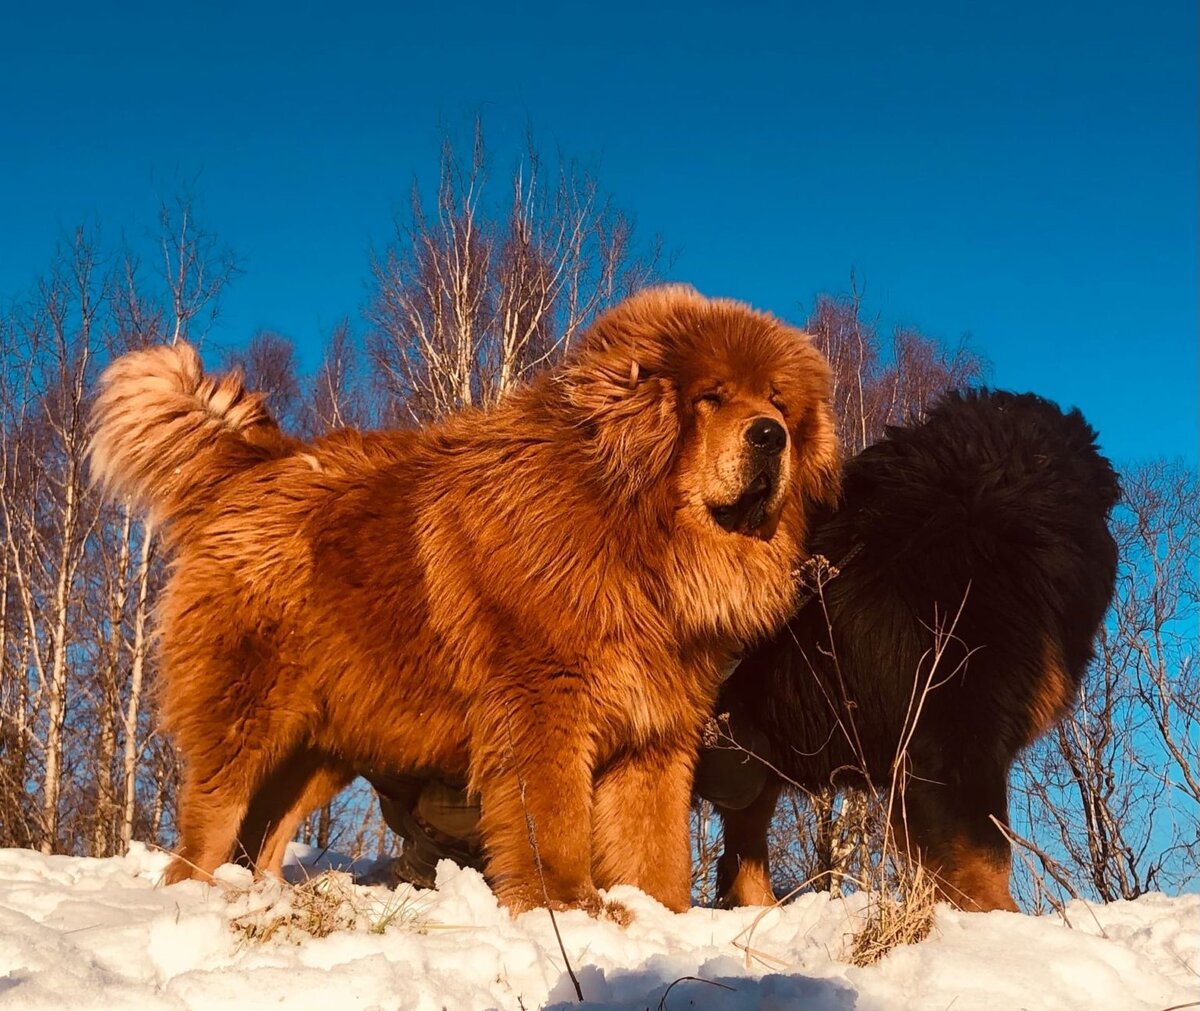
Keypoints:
pixel 165 435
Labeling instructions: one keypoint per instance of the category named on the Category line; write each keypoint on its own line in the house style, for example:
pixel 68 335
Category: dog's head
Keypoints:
pixel 724 408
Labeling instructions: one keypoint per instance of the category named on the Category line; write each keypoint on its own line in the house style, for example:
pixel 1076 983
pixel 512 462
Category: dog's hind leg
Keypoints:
pixel 304 782
pixel 231 744
pixel 212 806
pixel 946 825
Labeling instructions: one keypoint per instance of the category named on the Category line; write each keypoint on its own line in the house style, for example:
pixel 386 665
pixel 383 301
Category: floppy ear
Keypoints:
pixel 820 463
pixel 631 417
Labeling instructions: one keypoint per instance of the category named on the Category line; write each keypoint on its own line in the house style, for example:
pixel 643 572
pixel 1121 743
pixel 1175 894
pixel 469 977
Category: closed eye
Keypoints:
pixel 778 403
pixel 712 399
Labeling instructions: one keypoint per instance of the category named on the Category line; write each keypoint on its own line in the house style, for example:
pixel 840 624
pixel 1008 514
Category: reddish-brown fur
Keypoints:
pixel 536 596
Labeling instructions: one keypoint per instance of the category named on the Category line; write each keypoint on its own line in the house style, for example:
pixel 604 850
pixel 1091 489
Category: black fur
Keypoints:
pixel 989 520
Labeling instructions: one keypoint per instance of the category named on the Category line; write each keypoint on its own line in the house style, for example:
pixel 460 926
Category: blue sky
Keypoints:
pixel 1023 172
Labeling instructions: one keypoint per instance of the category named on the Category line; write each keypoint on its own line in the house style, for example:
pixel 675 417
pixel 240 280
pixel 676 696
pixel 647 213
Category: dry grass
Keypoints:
pixel 901 895
pixel 319 906
pixel 900 910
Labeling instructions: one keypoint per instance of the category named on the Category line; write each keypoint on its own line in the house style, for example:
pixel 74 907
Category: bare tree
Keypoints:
pixel 1088 799
pixel 60 324
pixel 195 269
pixel 920 370
pixel 268 363
pixel 878 384
pixel 706 850
pixel 1156 617
pixel 1111 797
pixel 473 297
pixel 852 346
pixel 338 394
pixel 21 487
pixel 78 576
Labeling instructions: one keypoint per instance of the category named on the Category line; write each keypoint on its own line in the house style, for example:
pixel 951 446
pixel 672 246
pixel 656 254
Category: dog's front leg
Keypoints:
pixel 641 823
pixel 532 764
pixel 744 867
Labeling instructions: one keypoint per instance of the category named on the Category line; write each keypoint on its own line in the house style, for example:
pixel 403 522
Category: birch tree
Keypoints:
pixel 1110 800
pixel 48 520
pixel 473 295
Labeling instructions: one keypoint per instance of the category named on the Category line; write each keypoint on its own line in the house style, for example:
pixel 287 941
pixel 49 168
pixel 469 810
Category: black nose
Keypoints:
pixel 767 435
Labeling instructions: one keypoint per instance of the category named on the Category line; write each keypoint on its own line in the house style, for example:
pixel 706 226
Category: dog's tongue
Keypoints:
pixel 757 515
pixel 749 512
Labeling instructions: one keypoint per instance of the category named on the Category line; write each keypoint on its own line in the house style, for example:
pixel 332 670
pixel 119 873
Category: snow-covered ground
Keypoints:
pixel 77 933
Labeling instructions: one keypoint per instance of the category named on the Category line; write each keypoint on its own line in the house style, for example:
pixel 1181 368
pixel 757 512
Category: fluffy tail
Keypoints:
pixel 165 435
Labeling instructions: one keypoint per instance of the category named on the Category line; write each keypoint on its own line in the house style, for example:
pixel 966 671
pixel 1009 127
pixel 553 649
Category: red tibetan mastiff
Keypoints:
pixel 540 597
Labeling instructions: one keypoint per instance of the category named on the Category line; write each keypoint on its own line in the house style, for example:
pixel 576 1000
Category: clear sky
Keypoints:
pixel 1025 172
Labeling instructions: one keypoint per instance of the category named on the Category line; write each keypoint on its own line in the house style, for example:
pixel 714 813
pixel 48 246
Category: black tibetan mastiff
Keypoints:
pixel 974 559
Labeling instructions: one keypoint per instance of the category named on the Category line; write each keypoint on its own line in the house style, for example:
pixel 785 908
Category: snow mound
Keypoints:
pixel 102 934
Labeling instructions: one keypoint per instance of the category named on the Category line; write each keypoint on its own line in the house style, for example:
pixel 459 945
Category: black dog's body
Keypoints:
pixel 976 539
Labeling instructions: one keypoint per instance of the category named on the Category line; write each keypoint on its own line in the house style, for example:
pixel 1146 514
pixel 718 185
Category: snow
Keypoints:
pixel 102 934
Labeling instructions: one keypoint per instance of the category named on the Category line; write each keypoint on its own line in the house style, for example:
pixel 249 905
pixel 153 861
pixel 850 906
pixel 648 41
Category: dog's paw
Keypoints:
pixel 521 900
pixel 618 913
pixel 597 908
pixel 181 870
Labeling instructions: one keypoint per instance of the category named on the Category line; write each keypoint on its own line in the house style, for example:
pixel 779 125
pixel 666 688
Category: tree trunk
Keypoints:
pixel 103 824
pixel 57 700
pixel 137 675
pixel 324 824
